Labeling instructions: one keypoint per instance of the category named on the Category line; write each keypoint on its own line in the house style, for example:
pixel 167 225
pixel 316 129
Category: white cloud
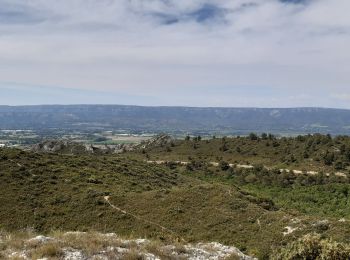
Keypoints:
pixel 155 47
pixel 342 97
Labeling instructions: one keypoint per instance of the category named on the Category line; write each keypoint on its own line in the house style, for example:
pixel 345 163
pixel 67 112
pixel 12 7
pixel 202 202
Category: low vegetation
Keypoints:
pixel 311 152
pixel 261 210
pixel 313 247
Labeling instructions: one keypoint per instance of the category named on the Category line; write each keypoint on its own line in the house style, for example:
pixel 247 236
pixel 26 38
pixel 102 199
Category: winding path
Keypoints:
pixel 107 199
pixel 247 166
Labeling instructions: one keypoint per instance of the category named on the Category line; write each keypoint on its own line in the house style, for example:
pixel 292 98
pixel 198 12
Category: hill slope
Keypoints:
pixel 115 193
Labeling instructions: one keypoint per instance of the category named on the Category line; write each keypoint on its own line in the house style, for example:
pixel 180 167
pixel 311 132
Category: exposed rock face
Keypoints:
pixel 64 146
pixel 59 146
pixel 159 140
pixel 50 146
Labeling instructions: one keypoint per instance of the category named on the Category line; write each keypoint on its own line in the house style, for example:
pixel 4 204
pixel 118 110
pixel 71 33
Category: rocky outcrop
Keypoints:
pixel 84 246
pixel 59 146
pixel 65 146
pixel 157 141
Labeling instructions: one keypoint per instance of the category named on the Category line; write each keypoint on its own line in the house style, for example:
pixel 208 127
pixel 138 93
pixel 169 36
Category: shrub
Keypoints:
pixel 312 246
pixel 253 136
pixel 224 166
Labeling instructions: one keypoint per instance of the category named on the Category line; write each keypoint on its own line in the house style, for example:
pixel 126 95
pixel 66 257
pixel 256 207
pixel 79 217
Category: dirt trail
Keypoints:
pixel 247 166
pixel 18 164
pixel 173 233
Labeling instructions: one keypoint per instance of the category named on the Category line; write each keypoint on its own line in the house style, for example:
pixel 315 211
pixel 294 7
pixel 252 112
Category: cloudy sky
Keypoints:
pixel 251 53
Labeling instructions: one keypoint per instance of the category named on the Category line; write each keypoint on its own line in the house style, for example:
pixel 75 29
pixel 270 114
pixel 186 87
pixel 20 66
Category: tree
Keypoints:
pixel 197 138
pixel 271 137
pixel 100 139
pixel 253 136
pixel 342 149
pixel 328 158
pixel 338 165
pixel 224 147
pixel 224 165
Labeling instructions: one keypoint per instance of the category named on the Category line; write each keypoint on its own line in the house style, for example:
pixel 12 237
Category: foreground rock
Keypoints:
pixel 83 246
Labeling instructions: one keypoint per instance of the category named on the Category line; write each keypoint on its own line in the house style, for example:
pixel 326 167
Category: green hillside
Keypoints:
pixel 125 195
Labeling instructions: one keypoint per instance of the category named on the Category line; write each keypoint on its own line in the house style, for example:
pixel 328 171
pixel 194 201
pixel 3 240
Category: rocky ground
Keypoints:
pixel 81 246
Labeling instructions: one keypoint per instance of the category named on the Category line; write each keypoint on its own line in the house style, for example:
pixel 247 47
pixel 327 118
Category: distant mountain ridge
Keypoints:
pixel 194 120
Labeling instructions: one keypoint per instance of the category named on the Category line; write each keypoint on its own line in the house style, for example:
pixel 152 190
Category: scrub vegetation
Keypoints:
pixel 261 210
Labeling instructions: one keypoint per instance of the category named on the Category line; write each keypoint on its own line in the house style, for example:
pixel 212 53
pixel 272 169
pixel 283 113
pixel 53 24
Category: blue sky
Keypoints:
pixel 254 53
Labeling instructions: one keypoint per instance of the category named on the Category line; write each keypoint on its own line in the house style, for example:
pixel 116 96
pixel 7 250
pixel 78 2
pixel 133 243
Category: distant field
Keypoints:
pixel 96 137
pixel 129 138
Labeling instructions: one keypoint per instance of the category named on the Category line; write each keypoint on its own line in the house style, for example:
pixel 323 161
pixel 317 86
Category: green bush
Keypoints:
pixel 312 247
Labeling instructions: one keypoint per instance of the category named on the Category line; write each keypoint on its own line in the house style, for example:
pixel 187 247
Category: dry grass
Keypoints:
pixel 158 249
pixel 180 248
pixel 90 245
pixel 233 257
pixel 51 250
pixel 133 255
pixel 14 257
pixel 14 240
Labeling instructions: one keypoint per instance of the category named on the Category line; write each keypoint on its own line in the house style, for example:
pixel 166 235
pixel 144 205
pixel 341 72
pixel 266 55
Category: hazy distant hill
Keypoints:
pixel 177 119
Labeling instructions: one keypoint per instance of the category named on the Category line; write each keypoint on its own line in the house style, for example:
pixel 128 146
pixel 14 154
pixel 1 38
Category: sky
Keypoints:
pixel 225 53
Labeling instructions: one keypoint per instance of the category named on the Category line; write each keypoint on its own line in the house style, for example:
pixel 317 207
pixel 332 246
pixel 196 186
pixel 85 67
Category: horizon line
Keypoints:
pixel 173 106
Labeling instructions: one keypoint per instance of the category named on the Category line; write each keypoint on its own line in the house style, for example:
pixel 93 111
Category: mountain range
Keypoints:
pixel 193 120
